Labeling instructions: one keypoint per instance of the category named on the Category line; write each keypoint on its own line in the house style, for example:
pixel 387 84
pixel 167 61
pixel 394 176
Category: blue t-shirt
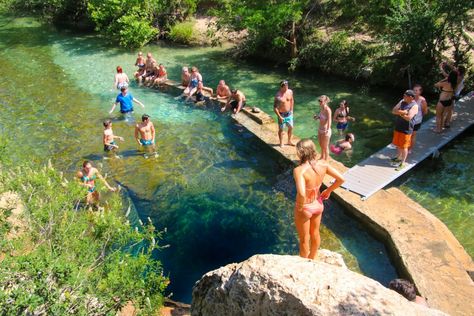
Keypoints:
pixel 126 102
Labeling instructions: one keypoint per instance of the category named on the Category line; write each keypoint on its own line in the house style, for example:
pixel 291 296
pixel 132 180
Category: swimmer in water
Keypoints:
pixel 343 145
pixel 324 130
pixel 87 176
pixel 145 135
pixel 109 138
pixel 341 116
pixel 121 79
pixel 161 77
pixel 309 206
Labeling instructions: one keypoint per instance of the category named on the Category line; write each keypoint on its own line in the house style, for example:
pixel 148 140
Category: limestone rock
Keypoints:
pixel 290 285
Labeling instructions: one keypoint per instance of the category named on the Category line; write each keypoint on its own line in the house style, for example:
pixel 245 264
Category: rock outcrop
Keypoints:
pixel 290 285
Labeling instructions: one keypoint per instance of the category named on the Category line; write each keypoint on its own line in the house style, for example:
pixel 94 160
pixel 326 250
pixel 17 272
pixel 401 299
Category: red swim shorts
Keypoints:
pixel 401 140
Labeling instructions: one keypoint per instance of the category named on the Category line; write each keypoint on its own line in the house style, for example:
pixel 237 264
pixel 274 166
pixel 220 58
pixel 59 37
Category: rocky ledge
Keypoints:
pixel 290 285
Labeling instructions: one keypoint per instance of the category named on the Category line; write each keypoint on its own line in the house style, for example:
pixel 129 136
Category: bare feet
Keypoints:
pixel 290 143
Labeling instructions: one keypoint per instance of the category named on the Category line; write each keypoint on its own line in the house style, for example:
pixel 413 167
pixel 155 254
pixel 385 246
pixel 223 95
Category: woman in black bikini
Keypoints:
pixel 446 99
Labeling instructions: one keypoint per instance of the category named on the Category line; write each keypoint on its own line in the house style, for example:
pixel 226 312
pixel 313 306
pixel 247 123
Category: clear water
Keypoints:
pixel 445 187
pixel 214 187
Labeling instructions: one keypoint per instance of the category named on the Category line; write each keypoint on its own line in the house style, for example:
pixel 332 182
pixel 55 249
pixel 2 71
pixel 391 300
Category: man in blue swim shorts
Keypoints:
pixel 283 107
pixel 145 135
pixel 125 99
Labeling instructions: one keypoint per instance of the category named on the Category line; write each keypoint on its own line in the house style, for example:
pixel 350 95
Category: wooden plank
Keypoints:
pixel 375 172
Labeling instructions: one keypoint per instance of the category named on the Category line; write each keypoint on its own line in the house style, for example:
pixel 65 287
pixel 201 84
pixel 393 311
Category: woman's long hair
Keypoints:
pixel 453 79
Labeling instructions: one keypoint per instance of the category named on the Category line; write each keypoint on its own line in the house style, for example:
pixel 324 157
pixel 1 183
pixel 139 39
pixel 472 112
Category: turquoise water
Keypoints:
pixel 444 186
pixel 214 188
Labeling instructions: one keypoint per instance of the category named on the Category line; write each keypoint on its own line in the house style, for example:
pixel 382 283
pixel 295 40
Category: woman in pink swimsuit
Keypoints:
pixel 309 206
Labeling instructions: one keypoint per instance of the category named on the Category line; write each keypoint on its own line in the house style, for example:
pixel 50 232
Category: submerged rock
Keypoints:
pixel 290 285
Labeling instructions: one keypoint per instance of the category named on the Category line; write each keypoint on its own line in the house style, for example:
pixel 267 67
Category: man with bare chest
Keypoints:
pixel 145 135
pixel 283 107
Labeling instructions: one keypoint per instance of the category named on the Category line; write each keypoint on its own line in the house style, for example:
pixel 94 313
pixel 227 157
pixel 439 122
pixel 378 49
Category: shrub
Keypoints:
pixel 182 32
pixel 75 261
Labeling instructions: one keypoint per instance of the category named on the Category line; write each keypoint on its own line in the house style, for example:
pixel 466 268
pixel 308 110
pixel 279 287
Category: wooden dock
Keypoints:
pixel 376 172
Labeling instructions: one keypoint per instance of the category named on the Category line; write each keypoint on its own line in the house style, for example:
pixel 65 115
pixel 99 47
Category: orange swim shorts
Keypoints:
pixel 401 140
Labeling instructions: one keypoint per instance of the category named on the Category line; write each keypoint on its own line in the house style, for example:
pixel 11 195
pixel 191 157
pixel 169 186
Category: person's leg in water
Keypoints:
pixel 302 224
pixel 439 117
pixel 190 94
pixel 315 223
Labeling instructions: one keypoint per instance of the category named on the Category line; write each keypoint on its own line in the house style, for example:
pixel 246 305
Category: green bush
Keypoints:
pixel 182 32
pixel 74 261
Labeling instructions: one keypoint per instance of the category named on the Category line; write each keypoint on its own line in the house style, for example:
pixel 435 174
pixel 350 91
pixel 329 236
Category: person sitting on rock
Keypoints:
pixel 406 289
pixel 343 145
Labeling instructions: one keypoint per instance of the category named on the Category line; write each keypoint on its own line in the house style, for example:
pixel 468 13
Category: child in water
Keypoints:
pixel 343 145
pixel 109 138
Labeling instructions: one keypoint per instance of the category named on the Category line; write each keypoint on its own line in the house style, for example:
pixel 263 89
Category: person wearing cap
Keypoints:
pixel 405 112
pixel 236 101
pixel 145 134
pixel 125 99
pixel 283 107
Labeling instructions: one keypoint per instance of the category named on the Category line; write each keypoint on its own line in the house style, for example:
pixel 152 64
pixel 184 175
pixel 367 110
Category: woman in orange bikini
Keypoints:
pixel 309 206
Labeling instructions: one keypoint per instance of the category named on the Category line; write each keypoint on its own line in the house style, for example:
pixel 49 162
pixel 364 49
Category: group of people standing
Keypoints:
pixel 413 106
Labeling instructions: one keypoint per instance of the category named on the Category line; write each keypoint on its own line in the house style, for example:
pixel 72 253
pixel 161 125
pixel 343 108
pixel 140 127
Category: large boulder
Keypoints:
pixel 290 285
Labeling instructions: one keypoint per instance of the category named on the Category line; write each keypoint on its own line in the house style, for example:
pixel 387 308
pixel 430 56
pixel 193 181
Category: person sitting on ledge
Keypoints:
pixel 407 290
pixel 236 101
pixel 150 78
pixel 185 77
pixel 140 63
pixel 161 77
pixel 199 96
pixel 223 92
pixel 343 145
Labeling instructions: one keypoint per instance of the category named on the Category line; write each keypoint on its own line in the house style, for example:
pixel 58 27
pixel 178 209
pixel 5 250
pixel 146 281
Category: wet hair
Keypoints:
pixel 453 79
pixel 418 86
pixel 145 117
pixel 283 83
pixel 306 150
pixel 324 97
pixel 84 164
pixel 107 123
pixel 123 88
pixel 404 288
pixel 119 69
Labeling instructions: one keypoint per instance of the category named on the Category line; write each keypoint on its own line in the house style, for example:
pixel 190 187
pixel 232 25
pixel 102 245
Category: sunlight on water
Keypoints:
pixel 214 187
pixel 444 186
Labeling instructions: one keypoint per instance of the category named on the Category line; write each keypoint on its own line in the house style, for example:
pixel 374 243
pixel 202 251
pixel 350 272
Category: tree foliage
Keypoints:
pixel 71 261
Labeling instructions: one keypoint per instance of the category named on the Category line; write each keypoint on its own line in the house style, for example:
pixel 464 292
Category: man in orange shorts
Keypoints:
pixel 405 111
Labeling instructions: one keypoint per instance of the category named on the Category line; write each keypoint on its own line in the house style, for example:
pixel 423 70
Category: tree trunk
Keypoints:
pixel 293 43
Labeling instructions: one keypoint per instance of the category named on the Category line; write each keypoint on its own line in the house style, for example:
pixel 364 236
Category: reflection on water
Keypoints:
pixel 444 186
pixel 212 187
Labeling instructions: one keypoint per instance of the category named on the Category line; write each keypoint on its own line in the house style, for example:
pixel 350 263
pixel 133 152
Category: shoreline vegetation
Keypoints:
pixel 40 245
pixel 383 42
